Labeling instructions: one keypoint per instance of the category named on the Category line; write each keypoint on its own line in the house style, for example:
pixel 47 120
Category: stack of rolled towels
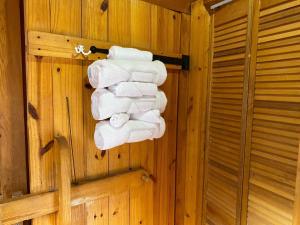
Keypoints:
pixel 127 101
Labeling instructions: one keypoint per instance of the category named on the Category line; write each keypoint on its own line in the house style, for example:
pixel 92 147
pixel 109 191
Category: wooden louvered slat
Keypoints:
pixel 274 143
pixel 225 124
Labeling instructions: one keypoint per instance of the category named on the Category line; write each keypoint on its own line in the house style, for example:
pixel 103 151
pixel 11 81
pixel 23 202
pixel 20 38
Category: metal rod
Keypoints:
pixel 70 138
pixel 219 4
pixel 182 61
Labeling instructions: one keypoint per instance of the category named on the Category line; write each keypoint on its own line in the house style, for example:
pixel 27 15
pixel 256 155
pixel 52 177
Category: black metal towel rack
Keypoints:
pixel 184 61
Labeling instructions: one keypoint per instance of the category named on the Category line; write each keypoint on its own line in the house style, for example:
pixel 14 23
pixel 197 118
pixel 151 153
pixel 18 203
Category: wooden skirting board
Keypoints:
pixel 62 46
pixel 37 205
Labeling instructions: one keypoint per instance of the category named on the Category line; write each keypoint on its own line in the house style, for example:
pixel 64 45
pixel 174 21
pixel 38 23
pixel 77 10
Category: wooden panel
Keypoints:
pixel 177 5
pixel 276 113
pixel 126 23
pixel 182 123
pixel 141 154
pixel 17 210
pixel 12 132
pixel 227 115
pixel 97 211
pixel 196 113
pixel 230 13
pixel 93 27
pixel 296 219
pixel 63 170
pixel 40 103
pixel 165 151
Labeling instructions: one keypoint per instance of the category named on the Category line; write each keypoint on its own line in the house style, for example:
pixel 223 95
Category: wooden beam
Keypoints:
pixel 62 46
pixel 13 177
pixel 176 5
pixel 33 206
pixel 63 158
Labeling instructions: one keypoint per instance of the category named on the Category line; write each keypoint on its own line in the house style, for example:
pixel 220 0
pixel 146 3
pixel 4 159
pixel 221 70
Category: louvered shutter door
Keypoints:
pixel 276 116
pixel 225 123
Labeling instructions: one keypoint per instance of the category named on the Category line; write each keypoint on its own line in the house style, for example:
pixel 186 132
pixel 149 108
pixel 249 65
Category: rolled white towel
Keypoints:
pixel 105 73
pixel 148 72
pixel 117 52
pixel 107 137
pixel 118 120
pixel 134 89
pixel 105 104
pixel 151 116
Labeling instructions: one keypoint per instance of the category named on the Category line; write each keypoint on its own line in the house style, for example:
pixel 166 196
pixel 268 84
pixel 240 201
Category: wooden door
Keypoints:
pixel 275 114
pixel 252 149
pixel 227 110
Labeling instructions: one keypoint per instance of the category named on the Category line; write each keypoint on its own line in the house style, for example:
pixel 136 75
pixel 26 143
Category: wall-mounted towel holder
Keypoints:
pixel 184 61
pixel 62 46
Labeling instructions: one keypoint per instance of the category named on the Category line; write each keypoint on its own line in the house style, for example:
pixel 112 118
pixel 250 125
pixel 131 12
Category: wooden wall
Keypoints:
pixel 51 80
pixel 252 137
pixel 12 130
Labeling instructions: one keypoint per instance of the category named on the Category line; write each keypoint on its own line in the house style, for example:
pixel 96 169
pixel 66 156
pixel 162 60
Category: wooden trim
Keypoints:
pixel 245 115
pixel 64 181
pixel 209 84
pixel 33 206
pixel 196 115
pixel 176 5
pixel 296 219
pixel 251 83
pixel 62 46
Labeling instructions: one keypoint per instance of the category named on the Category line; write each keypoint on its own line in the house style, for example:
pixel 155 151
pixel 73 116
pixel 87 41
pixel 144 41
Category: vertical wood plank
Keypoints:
pixel 39 100
pixel 97 212
pixel 141 154
pixel 93 27
pixel 182 123
pixel 63 164
pixel 165 152
pixel 119 32
pixel 67 83
pixel 197 106
pixel 12 131
pixel 119 209
pixel 255 7
pixel 78 215
pixel 296 219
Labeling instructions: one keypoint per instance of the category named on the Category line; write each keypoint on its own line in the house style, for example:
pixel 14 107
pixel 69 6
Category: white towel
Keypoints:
pixel 118 120
pixel 151 116
pixel 105 104
pixel 107 137
pixel 105 73
pixel 134 89
pixel 117 52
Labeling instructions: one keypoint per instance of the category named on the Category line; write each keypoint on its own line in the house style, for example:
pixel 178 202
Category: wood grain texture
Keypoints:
pixel 296 219
pixel 176 5
pixel 39 95
pixel 63 171
pixel 165 151
pixel 17 210
pixel 119 32
pixel 275 133
pixel 141 154
pixel 129 24
pixel 196 114
pixel 226 123
pixel 182 147
pixel 93 27
pixel 12 131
